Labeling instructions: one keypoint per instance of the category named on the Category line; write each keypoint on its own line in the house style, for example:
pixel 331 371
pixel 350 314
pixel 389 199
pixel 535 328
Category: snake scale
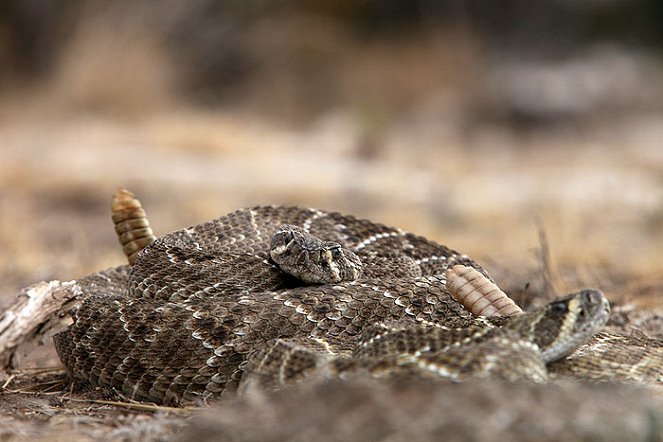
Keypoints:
pixel 273 295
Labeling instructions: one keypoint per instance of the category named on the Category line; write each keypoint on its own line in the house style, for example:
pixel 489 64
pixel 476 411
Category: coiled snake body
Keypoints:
pixel 273 295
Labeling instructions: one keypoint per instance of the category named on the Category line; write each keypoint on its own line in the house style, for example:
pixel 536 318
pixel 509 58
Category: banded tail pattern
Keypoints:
pixel 131 224
pixel 478 294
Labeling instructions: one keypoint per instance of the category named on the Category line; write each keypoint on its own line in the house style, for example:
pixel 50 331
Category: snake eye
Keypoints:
pixel 560 307
pixel 282 240
pixel 334 248
pixel 286 236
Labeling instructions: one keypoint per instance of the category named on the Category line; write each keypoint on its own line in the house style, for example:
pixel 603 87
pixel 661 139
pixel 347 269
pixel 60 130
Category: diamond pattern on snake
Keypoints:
pixel 274 295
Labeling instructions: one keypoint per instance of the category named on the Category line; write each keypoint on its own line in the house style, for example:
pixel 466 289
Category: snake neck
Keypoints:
pixel 561 326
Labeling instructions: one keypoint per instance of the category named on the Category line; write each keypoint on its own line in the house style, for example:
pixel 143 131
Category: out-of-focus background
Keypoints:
pixel 504 129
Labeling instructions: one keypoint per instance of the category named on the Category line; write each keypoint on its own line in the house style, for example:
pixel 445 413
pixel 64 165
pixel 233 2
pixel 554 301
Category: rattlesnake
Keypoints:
pixel 274 294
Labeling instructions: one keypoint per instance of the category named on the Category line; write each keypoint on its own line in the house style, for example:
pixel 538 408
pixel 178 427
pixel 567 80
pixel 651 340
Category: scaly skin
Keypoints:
pixel 203 305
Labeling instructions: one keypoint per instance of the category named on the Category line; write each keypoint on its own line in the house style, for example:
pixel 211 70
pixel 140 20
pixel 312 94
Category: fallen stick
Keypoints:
pixel 39 312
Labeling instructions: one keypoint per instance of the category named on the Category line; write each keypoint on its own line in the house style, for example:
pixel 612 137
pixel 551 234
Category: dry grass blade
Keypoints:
pixel 137 406
pixel 545 261
pixel 36 381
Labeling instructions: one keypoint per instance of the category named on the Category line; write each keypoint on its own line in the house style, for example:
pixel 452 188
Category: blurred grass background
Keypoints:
pixel 493 127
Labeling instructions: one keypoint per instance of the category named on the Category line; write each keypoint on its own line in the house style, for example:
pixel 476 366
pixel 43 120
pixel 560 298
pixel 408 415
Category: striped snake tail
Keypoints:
pixel 131 224
pixel 478 294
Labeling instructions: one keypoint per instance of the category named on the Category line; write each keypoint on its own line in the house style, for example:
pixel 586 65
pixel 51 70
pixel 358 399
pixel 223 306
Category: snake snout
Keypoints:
pixel 595 304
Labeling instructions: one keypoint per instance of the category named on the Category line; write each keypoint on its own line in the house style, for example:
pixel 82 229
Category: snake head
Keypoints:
pixel 312 260
pixel 561 326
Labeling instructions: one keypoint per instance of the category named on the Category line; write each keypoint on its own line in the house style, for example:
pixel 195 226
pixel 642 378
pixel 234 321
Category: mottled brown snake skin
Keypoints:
pixel 207 309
